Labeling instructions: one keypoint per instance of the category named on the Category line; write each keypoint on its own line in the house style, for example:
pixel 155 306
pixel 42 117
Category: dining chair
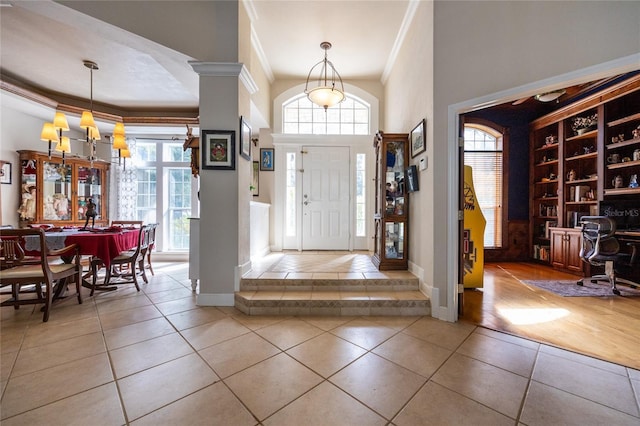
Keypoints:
pixel 152 244
pixel 127 223
pixel 125 267
pixel 28 274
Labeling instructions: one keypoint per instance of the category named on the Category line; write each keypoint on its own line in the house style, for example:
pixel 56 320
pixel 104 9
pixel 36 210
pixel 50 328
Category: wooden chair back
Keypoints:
pixel 127 265
pixel 28 274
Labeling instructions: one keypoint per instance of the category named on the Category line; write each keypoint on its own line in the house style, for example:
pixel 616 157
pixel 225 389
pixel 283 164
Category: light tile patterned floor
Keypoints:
pixel 155 358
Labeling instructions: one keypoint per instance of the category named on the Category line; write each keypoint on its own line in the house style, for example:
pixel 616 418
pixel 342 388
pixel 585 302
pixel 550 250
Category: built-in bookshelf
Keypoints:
pixel 582 155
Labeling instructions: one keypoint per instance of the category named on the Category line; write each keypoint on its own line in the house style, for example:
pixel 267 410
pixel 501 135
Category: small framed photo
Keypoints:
pixel 218 149
pixel 412 179
pixel 417 138
pixel 5 172
pixel 255 185
pixel 266 159
pixel 245 139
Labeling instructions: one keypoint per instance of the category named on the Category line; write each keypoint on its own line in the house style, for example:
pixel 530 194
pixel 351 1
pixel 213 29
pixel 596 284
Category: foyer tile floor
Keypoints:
pixel 155 358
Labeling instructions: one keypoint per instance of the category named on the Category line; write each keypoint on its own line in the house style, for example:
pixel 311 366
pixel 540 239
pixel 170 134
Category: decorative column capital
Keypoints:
pixel 226 69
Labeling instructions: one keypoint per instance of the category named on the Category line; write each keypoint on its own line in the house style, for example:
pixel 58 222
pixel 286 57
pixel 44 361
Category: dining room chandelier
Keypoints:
pixel 52 131
pixel 324 85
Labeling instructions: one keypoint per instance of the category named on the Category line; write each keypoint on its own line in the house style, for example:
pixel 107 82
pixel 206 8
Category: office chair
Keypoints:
pixel 599 247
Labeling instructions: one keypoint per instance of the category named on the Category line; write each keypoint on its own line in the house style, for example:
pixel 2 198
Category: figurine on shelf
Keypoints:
pixel 91 213
pixel 571 175
pixel 636 133
pixel 616 139
pixel 633 182
pixel 28 206
pixel 588 149
pixel 617 182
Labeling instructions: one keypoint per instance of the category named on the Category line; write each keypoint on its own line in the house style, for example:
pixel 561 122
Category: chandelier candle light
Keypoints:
pixel 325 94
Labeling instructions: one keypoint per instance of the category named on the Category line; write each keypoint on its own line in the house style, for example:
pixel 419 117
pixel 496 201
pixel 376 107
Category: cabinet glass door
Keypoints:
pixel 89 187
pixel 56 192
pixel 394 240
pixel 394 180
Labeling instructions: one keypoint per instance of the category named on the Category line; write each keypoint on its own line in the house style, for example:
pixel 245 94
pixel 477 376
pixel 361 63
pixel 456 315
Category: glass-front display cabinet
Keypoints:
pixel 391 203
pixel 57 194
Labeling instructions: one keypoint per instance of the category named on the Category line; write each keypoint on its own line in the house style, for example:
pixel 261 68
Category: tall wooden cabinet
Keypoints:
pixel 57 194
pixel 391 202
pixel 585 158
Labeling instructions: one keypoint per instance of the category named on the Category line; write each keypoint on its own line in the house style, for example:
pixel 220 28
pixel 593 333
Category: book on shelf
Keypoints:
pixel 577 192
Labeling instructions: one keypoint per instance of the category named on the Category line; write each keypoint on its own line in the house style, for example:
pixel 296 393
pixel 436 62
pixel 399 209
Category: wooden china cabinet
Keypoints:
pixel 57 194
pixel 391 202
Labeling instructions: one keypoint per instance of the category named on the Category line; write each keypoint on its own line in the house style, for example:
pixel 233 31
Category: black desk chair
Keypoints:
pixel 600 247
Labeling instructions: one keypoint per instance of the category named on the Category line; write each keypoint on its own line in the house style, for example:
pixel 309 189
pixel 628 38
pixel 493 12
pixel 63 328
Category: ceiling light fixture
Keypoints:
pixel 550 96
pixel 325 94
pixel 52 132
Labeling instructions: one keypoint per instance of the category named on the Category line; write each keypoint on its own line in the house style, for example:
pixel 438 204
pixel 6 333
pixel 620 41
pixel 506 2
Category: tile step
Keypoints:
pixel 362 303
pixel 382 284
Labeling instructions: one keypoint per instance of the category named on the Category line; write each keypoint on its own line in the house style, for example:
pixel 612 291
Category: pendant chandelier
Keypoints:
pixel 328 90
pixel 52 132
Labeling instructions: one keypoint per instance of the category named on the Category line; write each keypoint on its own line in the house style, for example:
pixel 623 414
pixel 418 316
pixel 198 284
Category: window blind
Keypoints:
pixel 487 182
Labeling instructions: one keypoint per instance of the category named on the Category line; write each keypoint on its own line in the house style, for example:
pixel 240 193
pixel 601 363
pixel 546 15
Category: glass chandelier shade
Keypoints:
pixel 49 134
pixel 119 142
pixel 60 121
pixel 329 89
pixel 87 121
pixel 64 145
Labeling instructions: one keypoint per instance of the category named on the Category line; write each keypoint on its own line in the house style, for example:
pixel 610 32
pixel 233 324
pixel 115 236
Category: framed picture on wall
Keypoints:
pixel 218 149
pixel 417 138
pixel 266 159
pixel 245 139
pixel 5 172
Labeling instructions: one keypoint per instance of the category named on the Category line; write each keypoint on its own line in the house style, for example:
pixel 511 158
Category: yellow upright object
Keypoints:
pixel 473 238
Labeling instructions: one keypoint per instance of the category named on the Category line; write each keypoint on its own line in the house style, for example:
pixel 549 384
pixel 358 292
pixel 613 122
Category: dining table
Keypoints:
pixel 102 243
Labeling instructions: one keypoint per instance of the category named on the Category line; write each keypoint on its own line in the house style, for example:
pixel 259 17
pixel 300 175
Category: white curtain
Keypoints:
pixel 123 186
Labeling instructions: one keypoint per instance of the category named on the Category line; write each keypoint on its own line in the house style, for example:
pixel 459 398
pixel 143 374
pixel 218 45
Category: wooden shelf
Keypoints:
pixel 582 156
pixel 623 165
pixel 581 203
pixel 548 147
pixel 621 191
pixel 624 120
pixel 579 181
pixel 547 163
pixel 587 135
pixel 547 199
pixel 546 182
pixel 623 143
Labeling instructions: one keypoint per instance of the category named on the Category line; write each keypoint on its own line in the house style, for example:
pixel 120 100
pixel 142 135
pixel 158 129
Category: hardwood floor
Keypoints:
pixel 607 328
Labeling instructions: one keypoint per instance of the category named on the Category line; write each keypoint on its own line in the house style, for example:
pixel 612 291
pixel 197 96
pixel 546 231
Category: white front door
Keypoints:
pixel 325 198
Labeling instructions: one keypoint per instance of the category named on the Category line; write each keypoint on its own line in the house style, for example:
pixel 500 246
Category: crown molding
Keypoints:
pixel 102 112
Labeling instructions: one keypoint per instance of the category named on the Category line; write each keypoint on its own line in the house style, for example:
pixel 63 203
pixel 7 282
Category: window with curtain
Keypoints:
pixel 483 152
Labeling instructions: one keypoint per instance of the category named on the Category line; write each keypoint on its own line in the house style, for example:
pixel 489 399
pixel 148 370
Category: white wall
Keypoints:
pixel 409 99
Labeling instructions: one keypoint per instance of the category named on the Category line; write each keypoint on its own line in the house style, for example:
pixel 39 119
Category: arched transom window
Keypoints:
pixel 302 117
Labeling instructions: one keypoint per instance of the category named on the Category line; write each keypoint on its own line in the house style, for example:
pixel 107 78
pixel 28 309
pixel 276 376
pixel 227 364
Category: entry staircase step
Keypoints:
pixel 396 295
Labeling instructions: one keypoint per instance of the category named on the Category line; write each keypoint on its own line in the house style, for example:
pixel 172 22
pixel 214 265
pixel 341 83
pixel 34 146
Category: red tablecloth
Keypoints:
pixel 104 245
